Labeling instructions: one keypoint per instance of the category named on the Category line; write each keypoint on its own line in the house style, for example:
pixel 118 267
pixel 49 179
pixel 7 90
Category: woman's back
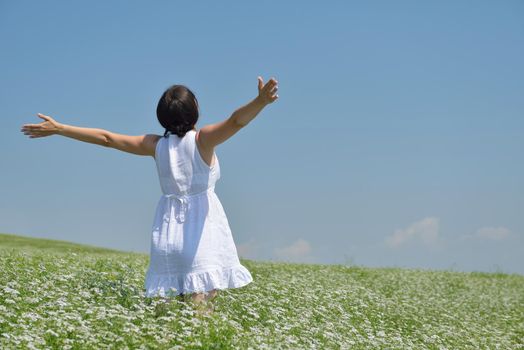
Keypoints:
pixel 181 168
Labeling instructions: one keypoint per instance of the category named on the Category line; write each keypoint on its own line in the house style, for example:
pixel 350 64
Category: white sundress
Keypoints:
pixel 192 247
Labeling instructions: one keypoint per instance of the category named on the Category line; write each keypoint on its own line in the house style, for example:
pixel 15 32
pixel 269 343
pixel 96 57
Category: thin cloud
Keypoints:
pixel 425 231
pixel 297 249
pixel 248 249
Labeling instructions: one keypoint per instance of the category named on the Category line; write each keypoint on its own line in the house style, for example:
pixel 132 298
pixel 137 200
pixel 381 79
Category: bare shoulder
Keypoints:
pixel 199 141
pixel 150 141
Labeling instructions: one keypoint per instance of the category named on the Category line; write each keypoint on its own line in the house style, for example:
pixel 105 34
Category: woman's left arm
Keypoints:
pixel 143 145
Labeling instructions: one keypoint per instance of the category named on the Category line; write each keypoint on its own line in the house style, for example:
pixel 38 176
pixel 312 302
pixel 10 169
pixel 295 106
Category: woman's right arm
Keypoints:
pixel 209 136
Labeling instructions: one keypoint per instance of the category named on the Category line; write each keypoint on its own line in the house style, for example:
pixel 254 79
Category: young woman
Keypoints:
pixel 192 247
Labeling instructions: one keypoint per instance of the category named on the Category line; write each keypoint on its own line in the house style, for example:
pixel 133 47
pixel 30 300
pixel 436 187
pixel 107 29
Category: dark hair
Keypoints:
pixel 177 110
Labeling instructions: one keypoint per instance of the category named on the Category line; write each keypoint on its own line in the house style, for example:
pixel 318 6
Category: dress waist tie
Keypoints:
pixel 183 200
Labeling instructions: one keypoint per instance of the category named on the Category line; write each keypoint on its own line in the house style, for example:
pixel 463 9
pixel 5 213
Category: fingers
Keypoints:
pixel 30 130
pixel 270 84
pixel 31 127
pixel 33 133
pixel 268 91
pixel 36 135
pixel 37 130
pixel 45 117
pixel 34 126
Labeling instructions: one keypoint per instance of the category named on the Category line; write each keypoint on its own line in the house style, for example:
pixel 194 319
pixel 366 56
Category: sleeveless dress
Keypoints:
pixel 192 247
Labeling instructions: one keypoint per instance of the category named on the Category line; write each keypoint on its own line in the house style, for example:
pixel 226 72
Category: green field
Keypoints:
pixel 60 295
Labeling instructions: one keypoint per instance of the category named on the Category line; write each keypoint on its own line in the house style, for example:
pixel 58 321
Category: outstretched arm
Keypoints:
pixel 211 135
pixel 141 145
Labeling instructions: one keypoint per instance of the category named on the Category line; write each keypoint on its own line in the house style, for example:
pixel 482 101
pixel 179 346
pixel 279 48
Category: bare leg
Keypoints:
pixel 211 294
pixel 204 296
pixel 204 301
pixel 201 301
pixel 198 298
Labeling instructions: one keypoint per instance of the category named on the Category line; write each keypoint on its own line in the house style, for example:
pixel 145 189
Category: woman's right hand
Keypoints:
pixel 267 92
pixel 46 128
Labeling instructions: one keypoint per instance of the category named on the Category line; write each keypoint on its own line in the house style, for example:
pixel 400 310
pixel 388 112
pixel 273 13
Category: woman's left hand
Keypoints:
pixel 46 128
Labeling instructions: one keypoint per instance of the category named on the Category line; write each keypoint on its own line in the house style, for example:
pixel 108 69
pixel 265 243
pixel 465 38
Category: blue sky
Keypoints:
pixel 397 138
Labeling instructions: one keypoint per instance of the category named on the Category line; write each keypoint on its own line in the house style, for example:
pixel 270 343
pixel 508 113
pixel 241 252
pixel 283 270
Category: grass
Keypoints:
pixel 61 295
